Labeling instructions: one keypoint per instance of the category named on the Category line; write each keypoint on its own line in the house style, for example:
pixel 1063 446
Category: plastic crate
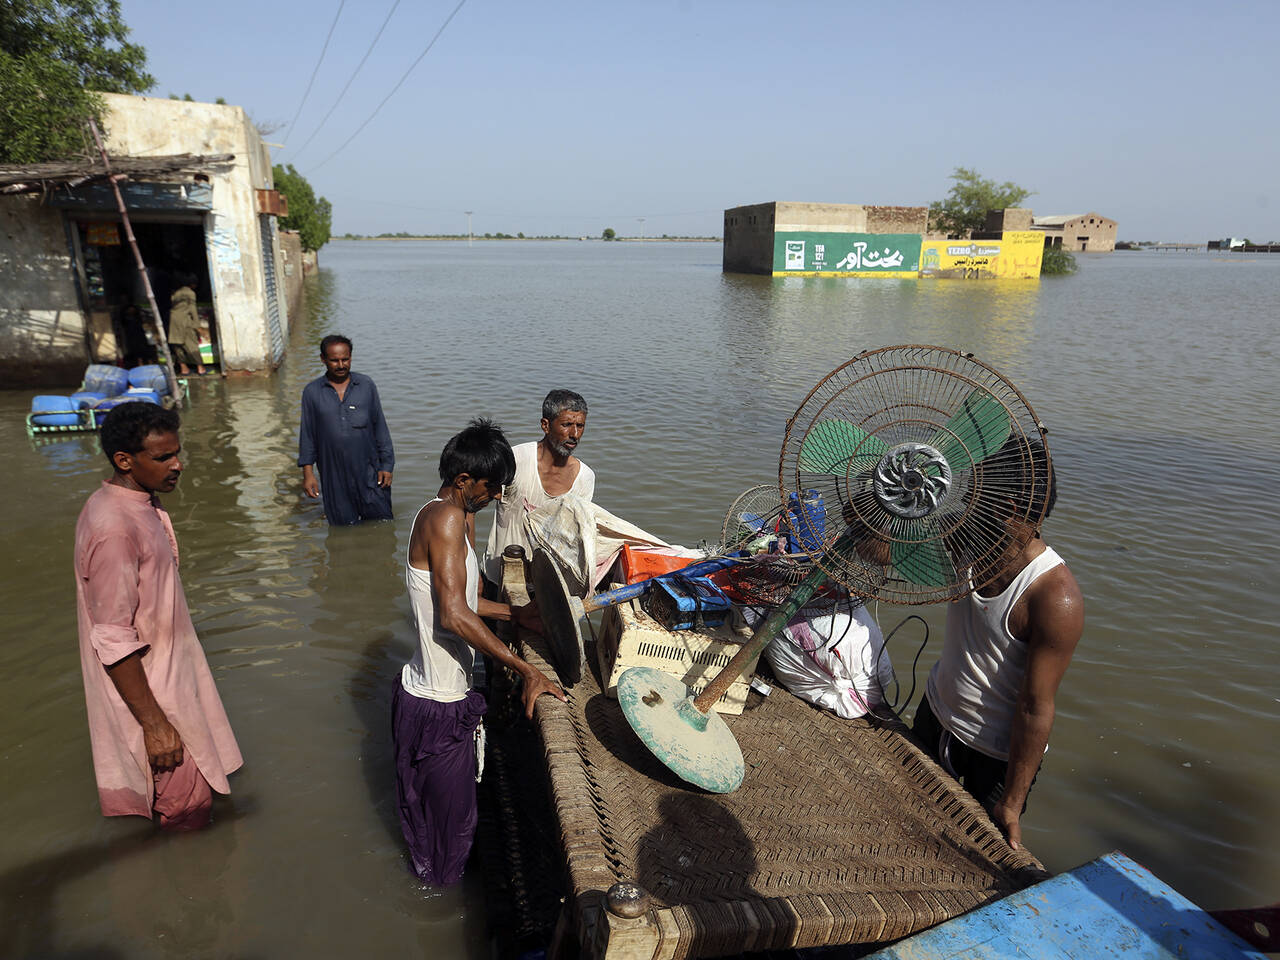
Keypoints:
pixel 631 638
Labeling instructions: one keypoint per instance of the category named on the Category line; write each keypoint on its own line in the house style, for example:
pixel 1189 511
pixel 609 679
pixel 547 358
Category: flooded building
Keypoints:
pixel 203 209
pixel 837 239
pixel 1079 232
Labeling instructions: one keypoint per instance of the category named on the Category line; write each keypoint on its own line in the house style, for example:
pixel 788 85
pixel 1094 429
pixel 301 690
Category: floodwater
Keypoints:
pixel 1153 372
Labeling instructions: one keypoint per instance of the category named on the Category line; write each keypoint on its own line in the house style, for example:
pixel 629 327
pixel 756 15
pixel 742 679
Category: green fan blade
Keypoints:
pixel 924 563
pixel 831 444
pixel 978 429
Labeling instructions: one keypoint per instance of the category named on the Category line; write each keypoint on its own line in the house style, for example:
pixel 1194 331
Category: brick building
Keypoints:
pixel 1082 232
pixel 764 238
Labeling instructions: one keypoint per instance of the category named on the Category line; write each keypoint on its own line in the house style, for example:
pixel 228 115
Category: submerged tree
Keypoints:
pixel 965 207
pixel 609 234
pixel 1057 261
pixel 312 218
pixel 55 56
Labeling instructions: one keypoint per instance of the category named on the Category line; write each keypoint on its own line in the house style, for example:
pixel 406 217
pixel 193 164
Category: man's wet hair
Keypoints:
pixel 481 451
pixel 558 401
pixel 125 428
pixel 1023 472
pixel 330 340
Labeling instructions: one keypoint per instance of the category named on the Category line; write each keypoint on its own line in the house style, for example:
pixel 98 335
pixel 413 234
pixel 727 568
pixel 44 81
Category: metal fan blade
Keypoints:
pixel 924 563
pixel 978 429
pixel 831 444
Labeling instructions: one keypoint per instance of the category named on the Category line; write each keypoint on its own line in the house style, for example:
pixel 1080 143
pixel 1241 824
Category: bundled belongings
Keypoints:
pixel 833 656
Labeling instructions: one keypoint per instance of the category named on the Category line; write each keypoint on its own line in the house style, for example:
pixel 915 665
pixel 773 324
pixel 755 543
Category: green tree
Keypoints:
pixel 609 234
pixel 1057 262
pixel 311 217
pixel 965 208
pixel 55 56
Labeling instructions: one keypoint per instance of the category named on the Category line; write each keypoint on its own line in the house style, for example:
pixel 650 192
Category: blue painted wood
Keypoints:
pixel 1112 907
pixel 192 196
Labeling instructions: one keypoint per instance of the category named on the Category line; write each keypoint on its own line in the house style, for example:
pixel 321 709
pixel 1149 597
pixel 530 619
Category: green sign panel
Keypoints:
pixel 867 254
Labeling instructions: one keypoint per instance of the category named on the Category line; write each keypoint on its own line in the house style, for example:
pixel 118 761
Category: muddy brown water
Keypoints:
pixel 1154 373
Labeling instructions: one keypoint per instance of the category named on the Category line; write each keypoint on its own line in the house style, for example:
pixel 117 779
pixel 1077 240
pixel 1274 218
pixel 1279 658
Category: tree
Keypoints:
pixel 55 56
pixel 312 218
pixel 609 233
pixel 965 207
pixel 1057 261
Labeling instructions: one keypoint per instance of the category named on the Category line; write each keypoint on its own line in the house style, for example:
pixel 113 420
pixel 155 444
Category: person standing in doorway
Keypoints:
pixel 184 328
pixel 345 436
pixel 160 737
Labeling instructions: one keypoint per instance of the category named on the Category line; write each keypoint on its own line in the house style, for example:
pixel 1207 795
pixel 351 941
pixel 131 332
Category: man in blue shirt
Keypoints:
pixel 344 434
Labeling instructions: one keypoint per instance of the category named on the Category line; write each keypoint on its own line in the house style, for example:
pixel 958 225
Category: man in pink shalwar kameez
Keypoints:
pixel 161 740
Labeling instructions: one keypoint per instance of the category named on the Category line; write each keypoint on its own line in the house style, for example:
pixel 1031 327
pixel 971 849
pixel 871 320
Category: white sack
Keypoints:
pixel 834 659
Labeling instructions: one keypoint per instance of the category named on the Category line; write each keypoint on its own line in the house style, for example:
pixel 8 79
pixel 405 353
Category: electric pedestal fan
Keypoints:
pixel 917 458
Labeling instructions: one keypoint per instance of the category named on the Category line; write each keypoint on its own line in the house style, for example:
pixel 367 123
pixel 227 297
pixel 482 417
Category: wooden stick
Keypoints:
pixel 171 377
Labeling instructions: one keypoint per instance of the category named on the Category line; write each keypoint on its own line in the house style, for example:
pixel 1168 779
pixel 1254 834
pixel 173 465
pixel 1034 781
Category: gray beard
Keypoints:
pixel 564 452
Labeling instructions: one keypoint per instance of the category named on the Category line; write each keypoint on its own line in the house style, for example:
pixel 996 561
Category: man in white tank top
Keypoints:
pixel 435 713
pixel 545 471
pixel 989 703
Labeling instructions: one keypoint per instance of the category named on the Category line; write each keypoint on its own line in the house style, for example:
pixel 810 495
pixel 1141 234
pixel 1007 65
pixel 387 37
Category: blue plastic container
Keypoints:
pixel 54 412
pixel 106 406
pixel 137 393
pixel 86 398
pixel 808 521
pixel 149 377
pixel 105 379
pixel 685 603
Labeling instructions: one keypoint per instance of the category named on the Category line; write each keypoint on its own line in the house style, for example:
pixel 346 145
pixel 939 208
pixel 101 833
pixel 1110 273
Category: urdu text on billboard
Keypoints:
pixel 1016 256
pixel 846 254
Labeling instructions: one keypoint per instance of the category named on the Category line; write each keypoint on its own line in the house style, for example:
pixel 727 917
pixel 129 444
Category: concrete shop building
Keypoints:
pixel 67 274
pixel 824 239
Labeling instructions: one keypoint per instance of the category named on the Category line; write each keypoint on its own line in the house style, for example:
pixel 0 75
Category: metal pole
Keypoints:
pixel 468 213
pixel 170 377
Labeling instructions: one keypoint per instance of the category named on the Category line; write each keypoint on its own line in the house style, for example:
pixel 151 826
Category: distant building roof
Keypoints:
pixel 1055 221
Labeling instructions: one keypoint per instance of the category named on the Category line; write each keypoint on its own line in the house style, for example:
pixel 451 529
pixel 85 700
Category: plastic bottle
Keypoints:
pixel 808 521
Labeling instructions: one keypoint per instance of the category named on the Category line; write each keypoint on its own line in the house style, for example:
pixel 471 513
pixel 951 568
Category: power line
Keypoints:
pixel 352 78
pixel 393 89
pixel 307 93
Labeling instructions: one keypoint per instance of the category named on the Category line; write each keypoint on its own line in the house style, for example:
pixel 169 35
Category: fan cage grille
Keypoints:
pixel 895 399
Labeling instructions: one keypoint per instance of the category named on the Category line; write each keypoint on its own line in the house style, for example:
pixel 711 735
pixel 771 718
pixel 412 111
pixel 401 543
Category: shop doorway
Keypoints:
pixel 120 323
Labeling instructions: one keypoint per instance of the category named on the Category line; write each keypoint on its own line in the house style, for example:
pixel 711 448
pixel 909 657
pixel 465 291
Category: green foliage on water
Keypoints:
pixel 1057 262
pixel 54 59
pixel 965 206
pixel 608 234
pixel 311 217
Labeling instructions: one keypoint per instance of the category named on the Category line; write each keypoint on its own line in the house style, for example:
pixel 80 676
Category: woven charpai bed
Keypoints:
pixel 842 832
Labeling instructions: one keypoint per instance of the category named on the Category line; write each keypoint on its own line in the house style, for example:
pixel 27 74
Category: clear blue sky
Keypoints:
pixel 573 116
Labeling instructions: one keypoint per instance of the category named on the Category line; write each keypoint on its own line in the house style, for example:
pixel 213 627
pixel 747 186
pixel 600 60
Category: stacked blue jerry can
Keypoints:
pixel 105 387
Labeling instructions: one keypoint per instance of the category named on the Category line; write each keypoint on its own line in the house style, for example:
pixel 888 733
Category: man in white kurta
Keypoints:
pixel 546 470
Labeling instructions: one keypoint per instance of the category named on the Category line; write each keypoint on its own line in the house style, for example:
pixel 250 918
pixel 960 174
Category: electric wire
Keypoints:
pixel 307 92
pixel 399 83
pixel 350 80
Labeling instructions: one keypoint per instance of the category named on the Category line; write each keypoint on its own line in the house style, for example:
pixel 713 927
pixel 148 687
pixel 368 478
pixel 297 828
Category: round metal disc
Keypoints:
pixel 561 621
pixel 697 747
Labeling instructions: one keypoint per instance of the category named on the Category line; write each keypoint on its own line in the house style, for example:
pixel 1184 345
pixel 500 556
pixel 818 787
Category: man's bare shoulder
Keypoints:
pixel 437 517
pixel 1056 599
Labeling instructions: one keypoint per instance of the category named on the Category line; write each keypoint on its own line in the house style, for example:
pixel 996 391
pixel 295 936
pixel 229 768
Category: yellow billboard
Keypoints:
pixel 1016 256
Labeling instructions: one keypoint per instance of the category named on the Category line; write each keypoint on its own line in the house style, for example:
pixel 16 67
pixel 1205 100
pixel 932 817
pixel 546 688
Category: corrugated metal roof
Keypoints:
pixel 1055 221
